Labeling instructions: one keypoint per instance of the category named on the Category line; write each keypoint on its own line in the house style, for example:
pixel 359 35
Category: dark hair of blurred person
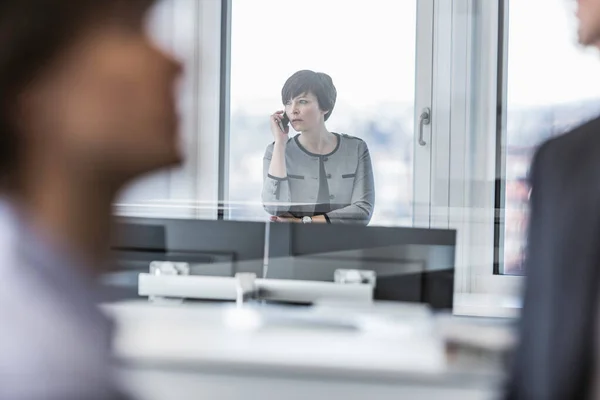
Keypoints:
pixel 87 103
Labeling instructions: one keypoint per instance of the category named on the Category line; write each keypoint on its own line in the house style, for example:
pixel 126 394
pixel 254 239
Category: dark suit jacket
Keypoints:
pixel 556 355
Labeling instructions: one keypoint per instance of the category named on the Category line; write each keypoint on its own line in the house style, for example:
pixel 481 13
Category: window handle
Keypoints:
pixel 424 119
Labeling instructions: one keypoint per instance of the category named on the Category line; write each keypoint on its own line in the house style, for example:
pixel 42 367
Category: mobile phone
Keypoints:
pixel 285 121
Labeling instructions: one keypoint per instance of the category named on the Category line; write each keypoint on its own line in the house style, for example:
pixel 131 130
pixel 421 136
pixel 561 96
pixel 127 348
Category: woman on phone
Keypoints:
pixel 318 175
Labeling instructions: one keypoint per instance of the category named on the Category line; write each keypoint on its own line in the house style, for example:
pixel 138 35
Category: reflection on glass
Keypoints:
pixel 317 175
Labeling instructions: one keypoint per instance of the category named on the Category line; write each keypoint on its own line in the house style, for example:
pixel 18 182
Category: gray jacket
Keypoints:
pixel 350 178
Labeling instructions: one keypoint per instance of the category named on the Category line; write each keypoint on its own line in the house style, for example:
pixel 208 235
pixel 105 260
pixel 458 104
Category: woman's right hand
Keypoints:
pixel 279 135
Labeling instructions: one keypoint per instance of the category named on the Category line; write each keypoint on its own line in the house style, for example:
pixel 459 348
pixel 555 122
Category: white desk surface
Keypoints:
pixel 177 352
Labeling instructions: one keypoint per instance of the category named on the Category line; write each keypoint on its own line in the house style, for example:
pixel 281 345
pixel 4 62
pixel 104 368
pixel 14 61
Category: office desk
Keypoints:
pixel 188 352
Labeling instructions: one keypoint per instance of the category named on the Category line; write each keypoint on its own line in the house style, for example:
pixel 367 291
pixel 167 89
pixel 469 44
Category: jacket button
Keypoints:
pixel 328 176
pixel 331 197
pixel 325 159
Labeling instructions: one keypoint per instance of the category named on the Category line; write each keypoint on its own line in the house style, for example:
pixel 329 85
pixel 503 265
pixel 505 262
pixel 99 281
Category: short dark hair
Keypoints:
pixel 317 83
pixel 32 34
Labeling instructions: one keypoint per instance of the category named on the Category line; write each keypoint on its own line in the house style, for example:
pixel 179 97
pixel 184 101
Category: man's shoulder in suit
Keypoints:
pixel 583 136
pixel 574 149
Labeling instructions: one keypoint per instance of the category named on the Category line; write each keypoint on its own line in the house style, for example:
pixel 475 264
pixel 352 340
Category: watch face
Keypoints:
pixel 307 220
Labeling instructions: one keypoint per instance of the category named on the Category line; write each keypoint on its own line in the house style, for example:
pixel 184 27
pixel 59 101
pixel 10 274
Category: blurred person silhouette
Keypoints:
pixel 558 356
pixel 328 173
pixel 87 104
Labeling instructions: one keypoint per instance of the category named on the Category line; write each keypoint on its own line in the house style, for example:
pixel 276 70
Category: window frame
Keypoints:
pixel 225 112
pixel 476 155
pixel 502 101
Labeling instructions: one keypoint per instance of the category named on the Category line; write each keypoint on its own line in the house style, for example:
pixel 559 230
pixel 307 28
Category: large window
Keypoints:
pixel 551 85
pixel 237 56
pixel 369 50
